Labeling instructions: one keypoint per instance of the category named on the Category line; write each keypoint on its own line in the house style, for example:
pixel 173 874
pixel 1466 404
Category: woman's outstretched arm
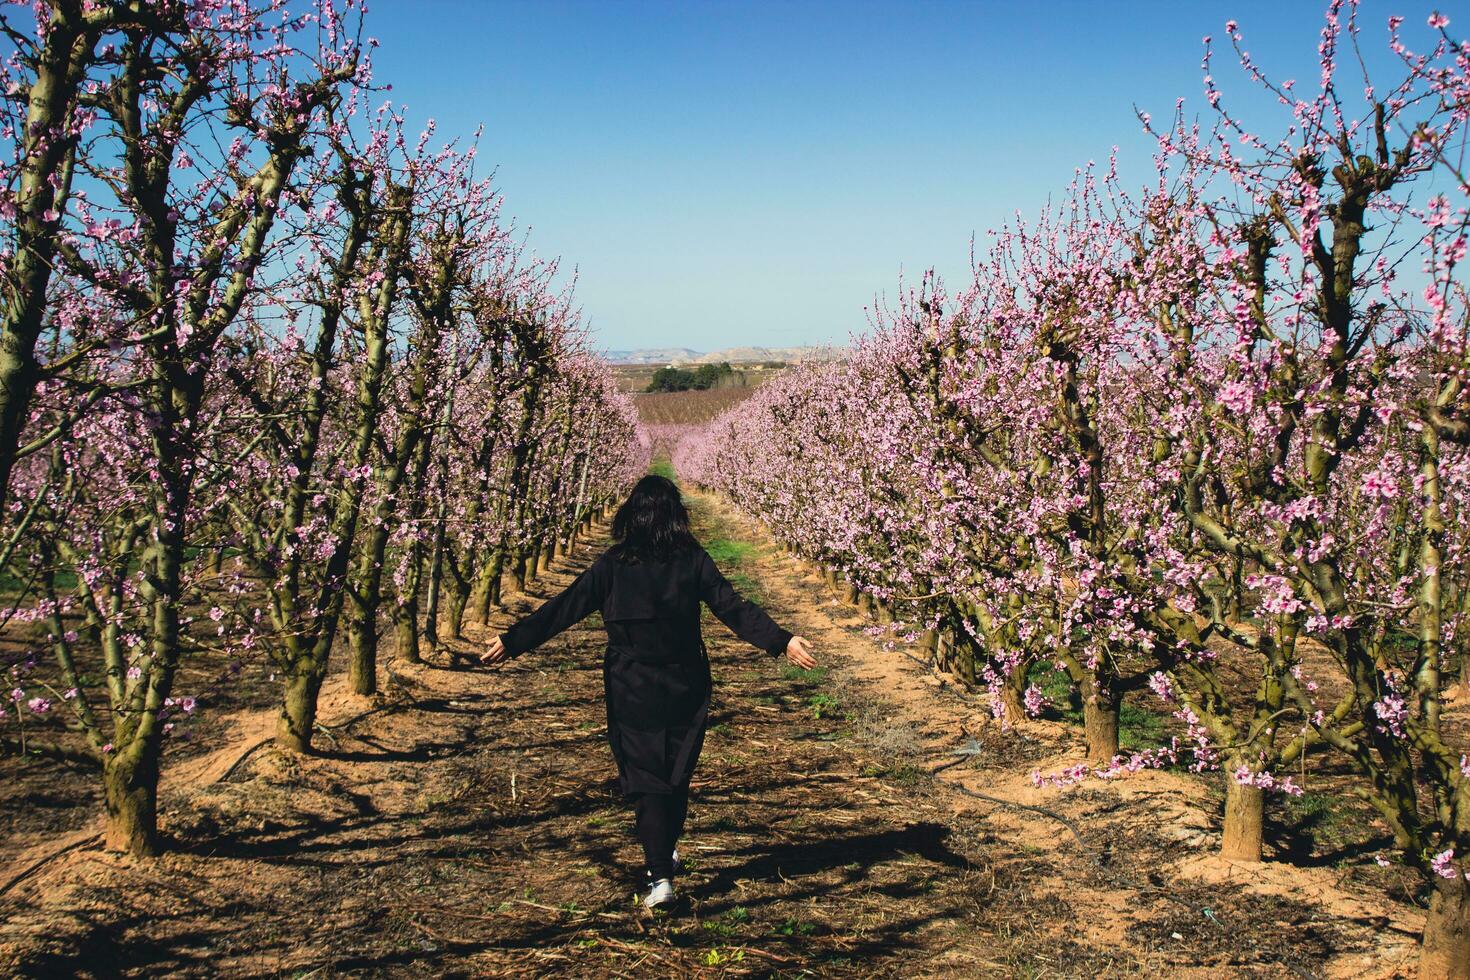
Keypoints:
pixel 567 608
pixel 746 619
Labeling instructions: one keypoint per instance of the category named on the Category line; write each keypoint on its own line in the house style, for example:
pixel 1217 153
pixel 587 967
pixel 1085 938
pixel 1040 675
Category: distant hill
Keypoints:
pixel 735 355
pixel 666 355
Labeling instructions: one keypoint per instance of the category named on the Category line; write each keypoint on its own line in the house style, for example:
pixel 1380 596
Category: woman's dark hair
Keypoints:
pixel 652 524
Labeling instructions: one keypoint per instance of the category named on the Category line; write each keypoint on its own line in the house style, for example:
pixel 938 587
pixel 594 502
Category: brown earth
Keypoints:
pixel 688 407
pixel 470 826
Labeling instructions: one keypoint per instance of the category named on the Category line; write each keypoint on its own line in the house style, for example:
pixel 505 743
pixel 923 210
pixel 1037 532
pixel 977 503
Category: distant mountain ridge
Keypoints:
pixel 735 355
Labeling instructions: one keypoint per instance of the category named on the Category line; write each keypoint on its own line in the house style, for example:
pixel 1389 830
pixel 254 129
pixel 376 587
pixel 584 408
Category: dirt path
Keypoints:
pixel 472 827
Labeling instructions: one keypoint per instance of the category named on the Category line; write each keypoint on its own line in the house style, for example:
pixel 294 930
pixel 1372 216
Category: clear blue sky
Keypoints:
pixel 754 173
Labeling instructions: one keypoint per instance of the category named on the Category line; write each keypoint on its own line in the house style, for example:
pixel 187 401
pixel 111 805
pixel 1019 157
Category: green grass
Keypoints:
pixel 1138 728
pixel 815 676
pixel 730 555
pixel 662 467
pixel 727 552
pixel 1325 815
pixel 1057 687
pixel 747 586
pixel 66 581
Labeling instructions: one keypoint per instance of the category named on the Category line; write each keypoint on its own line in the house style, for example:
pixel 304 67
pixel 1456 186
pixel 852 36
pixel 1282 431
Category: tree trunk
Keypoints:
pixel 365 600
pixel 1245 820
pixel 944 649
pixel 298 710
pixel 406 612
pixel 458 598
pixel 865 604
pixel 1013 695
pixel 928 644
pixel 928 641
pixel 850 594
pixel 406 631
pixel 1100 725
pixel 46 163
pixel 518 577
pixel 964 656
pixel 484 594
pixel 1446 951
pixel 1465 666
pixel 457 592
pixel 130 785
pixel 362 665
pixel 435 599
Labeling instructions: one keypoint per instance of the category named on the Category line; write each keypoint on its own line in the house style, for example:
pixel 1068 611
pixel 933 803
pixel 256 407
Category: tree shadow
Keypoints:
pixel 1312 841
pixel 421 752
pixel 855 855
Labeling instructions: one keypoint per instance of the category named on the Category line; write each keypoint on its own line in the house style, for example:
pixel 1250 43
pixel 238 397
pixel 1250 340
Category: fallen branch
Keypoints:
pixel 38 865
pixel 1043 811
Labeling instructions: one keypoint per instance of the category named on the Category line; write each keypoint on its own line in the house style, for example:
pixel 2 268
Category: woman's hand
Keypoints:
pixel 495 653
pixel 798 651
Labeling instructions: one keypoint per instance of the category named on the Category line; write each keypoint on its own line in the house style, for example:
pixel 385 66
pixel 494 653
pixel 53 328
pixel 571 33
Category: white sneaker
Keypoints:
pixel 662 893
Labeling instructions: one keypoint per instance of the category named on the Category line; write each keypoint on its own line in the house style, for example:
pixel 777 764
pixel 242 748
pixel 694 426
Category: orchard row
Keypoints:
pixel 1207 440
pixel 274 372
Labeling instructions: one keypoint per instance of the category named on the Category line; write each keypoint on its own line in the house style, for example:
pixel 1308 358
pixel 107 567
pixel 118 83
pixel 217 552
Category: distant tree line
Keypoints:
pixel 680 379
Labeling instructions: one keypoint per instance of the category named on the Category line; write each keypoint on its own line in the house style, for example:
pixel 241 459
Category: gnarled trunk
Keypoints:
pixel 130 788
pixel 298 709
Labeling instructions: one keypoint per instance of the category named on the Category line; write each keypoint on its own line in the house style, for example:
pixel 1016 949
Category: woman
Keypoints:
pixel 648 586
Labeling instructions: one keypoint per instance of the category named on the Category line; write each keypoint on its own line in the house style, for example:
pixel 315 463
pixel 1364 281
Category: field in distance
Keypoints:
pixel 689 407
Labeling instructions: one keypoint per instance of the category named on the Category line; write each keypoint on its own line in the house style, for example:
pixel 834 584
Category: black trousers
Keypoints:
pixel 660 824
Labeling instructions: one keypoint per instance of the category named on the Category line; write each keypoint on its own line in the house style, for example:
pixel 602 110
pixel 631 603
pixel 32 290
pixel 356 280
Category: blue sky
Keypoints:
pixel 755 173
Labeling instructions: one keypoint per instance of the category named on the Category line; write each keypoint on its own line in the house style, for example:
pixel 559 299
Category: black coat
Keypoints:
pixel 656 670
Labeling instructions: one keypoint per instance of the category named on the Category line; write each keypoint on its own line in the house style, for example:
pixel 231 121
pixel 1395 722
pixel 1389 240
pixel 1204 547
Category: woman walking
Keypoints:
pixel 648 586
